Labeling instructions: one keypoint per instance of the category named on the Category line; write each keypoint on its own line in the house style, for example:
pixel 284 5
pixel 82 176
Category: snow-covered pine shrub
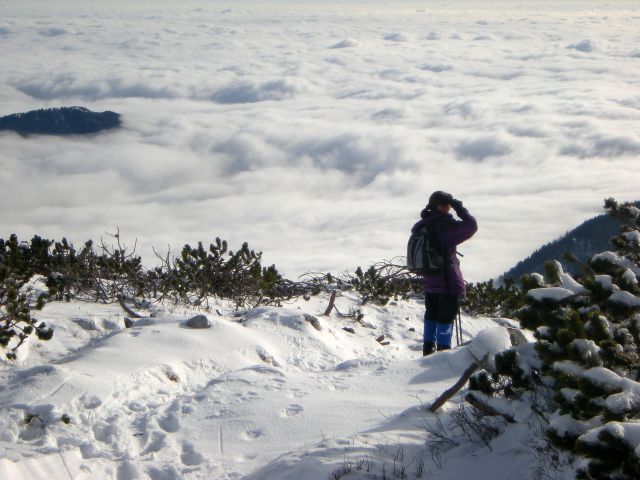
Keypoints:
pixel 24 259
pixel 108 271
pixel 586 363
pixel 198 274
pixel 383 281
pixel 19 261
pixel 485 298
pixel 94 273
pixel 65 273
pixel 100 273
pixel 16 322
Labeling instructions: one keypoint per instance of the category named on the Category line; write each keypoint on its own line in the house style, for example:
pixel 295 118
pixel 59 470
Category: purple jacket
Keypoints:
pixel 450 233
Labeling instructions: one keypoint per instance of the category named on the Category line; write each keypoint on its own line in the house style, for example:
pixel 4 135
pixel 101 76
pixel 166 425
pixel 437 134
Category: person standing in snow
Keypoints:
pixel 444 288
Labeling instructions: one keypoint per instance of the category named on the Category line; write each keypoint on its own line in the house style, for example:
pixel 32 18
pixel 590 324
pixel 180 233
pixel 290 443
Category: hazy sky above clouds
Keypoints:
pixel 317 133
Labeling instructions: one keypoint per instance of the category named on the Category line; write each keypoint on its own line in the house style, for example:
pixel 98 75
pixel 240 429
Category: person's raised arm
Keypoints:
pixel 465 228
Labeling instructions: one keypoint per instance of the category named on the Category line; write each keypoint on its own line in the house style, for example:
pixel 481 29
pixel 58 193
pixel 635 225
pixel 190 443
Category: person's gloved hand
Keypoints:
pixel 456 204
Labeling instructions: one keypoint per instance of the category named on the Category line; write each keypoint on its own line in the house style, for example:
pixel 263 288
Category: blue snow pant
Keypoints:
pixel 440 313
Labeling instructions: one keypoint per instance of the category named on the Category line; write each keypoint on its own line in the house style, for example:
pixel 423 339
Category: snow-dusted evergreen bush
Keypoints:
pixel 17 262
pixel 383 281
pixel 487 298
pixel 583 375
pixel 200 273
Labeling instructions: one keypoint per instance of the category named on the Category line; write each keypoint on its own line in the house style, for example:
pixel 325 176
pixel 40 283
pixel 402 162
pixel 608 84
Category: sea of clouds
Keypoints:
pixel 317 132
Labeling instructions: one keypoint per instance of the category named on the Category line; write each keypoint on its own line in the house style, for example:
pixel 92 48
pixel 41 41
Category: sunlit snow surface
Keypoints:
pixel 316 133
pixel 163 401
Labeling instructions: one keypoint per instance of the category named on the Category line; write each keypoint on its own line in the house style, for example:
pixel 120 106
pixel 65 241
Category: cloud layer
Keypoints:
pixel 317 133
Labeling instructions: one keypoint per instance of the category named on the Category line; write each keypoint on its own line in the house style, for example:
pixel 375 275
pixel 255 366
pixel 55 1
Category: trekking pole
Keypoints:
pixel 459 325
pixel 455 326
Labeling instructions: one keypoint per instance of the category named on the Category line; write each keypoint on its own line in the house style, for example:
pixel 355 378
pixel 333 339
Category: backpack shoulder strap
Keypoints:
pixel 433 237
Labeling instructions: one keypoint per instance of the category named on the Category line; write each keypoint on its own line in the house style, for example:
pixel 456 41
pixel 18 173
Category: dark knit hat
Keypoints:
pixel 439 198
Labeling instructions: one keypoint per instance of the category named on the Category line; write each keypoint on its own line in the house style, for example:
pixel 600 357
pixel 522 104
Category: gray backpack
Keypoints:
pixel 424 256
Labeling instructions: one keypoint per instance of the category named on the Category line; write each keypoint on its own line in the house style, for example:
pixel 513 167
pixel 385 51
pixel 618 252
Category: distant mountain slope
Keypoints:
pixel 590 237
pixel 60 121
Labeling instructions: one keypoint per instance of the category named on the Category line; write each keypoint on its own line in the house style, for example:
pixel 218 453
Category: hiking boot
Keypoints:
pixel 443 347
pixel 428 348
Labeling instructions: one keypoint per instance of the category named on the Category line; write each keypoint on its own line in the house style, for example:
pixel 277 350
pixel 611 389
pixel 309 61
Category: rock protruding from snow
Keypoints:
pixel 313 320
pixel 517 337
pixel 198 321
pixel 346 43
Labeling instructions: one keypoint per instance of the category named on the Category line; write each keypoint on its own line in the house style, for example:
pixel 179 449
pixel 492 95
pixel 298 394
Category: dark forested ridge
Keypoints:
pixel 589 238
pixel 60 121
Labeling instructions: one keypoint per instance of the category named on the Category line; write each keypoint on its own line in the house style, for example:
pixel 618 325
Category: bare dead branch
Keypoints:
pixel 332 303
pixel 127 310
pixel 442 399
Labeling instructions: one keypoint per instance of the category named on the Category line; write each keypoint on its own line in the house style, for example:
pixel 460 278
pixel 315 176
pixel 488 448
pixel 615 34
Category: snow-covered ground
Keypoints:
pixel 262 393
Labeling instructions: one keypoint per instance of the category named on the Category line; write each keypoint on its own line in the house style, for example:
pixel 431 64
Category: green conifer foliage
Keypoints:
pixel 16 322
pixel 587 355
pixel 487 299
pixel 383 281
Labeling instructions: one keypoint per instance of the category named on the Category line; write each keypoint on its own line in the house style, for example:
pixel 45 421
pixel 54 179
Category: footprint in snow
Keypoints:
pixel 167 472
pixel 251 435
pixel 90 401
pixel 103 432
pixel 292 410
pixel 136 406
pixel 295 393
pixel 156 443
pixel 190 456
pixel 169 423
pixel 128 470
